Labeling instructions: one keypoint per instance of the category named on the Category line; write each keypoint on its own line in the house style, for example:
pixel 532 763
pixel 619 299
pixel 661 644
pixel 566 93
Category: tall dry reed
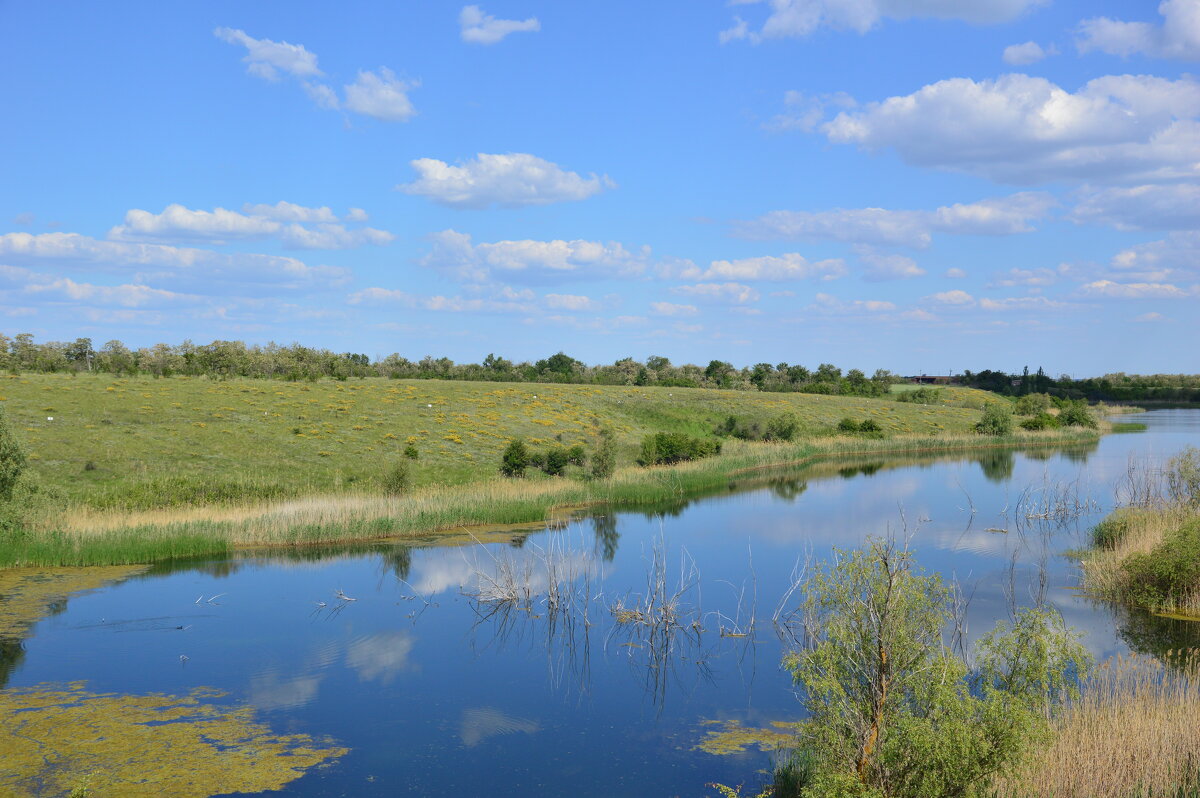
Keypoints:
pixel 1133 733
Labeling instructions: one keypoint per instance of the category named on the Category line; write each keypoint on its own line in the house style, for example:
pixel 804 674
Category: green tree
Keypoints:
pixel 997 420
pixel 892 711
pixel 515 459
pixel 604 457
pixel 13 458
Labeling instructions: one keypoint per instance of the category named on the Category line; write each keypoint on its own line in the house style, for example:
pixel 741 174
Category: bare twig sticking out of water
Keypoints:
pixel 426 603
pixel 1144 483
pixel 1060 502
pixel 737 627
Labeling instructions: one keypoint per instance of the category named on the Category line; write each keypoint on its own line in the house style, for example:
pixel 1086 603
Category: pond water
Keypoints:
pixel 436 691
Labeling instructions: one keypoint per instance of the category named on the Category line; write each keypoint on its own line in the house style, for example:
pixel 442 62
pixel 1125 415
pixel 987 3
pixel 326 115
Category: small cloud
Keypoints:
pixel 265 58
pixel 881 267
pixel 1150 317
pixel 23 219
pixel 569 302
pixel 1027 53
pixel 381 95
pixel 477 27
pixel 1110 289
pixel 671 309
pixel 509 180
pixel 954 297
pixel 733 293
pixel 955 273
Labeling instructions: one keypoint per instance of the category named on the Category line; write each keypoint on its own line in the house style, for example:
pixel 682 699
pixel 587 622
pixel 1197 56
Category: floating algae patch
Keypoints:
pixel 734 738
pixel 29 594
pixel 59 739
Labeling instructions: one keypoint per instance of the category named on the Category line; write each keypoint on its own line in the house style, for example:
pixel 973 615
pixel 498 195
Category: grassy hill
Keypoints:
pixel 141 443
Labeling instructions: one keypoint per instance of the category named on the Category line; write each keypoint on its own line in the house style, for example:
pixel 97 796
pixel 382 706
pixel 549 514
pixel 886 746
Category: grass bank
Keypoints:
pixel 88 536
pixel 1147 553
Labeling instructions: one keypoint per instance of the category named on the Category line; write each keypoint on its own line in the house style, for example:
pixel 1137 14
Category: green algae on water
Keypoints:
pixel 29 594
pixel 734 738
pixel 56 739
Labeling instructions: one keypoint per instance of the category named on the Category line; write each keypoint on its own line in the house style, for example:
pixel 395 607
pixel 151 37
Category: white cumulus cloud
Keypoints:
pixel 1022 129
pixel 508 180
pixel 295 225
pixel 477 27
pixel 1177 36
pixel 454 254
pixel 200 270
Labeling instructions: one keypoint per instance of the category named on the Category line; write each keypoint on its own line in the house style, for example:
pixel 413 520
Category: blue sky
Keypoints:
pixel 919 185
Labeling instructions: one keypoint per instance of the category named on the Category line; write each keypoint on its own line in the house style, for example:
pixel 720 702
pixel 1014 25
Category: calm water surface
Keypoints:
pixel 438 693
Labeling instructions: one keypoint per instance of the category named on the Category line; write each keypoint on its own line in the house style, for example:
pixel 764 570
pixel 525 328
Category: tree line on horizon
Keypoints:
pixel 295 362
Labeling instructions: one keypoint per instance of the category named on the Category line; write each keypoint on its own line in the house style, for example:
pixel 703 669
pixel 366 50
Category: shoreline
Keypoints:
pixel 152 536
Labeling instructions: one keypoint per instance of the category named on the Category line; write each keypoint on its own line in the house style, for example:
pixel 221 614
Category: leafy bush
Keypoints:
pixel 893 712
pixel 782 428
pixel 921 396
pixel 1167 574
pixel 397 480
pixel 664 448
pixel 779 428
pixel 553 461
pixel 13 458
pixel 868 427
pixel 997 420
pixel 1032 404
pixel 1040 422
pixel 577 455
pixel 411 452
pixel 515 459
pixel 1075 413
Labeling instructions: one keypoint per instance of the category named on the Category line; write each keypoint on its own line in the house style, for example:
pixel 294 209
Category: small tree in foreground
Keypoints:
pixel 515 459
pixel 893 712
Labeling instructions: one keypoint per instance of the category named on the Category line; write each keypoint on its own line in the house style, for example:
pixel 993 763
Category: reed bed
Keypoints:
pixel 1133 733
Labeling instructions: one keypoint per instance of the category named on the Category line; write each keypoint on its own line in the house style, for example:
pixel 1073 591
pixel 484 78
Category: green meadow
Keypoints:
pixel 141 469
pixel 144 443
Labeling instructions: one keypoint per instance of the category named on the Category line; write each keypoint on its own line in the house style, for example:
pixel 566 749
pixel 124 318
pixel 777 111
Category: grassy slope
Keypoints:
pixel 140 443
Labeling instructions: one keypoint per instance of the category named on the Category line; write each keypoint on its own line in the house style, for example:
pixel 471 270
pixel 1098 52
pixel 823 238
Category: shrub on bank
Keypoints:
pixel 664 448
pixel 1040 422
pixel 1169 574
pixel 997 420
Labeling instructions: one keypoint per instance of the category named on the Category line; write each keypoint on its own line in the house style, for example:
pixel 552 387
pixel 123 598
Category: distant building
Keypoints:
pixel 926 379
